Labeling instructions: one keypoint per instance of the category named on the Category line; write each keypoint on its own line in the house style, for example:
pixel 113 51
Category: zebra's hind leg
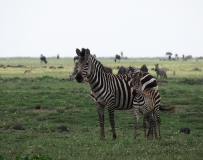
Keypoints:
pixel 100 110
pixel 151 122
pixel 112 123
pixel 158 120
pixel 145 119
pixel 153 128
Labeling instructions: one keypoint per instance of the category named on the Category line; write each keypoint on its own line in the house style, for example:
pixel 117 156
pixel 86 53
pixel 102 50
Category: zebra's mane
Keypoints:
pixel 101 66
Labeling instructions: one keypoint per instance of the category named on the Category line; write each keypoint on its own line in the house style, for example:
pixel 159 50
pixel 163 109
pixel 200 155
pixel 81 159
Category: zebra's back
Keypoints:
pixel 148 82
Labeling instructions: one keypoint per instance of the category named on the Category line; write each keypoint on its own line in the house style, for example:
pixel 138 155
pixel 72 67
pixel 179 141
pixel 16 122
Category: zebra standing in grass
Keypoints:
pixel 161 72
pixel 146 100
pixel 113 91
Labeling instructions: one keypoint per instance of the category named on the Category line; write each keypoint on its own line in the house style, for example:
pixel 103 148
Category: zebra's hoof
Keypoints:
pixel 114 137
pixel 102 137
pixel 160 138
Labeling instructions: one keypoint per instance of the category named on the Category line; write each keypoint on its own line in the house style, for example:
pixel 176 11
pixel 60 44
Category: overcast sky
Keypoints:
pixel 139 28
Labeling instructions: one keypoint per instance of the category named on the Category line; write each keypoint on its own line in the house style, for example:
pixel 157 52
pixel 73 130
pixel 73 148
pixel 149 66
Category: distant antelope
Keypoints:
pixel 174 73
pixel 27 71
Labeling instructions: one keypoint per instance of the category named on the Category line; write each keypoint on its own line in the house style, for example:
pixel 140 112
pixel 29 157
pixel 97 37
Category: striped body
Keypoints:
pixel 116 94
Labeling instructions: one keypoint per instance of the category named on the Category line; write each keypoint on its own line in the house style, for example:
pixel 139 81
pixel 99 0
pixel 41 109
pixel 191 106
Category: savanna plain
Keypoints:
pixel 65 126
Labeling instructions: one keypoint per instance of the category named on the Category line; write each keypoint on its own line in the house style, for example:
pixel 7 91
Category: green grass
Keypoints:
pixel 68 103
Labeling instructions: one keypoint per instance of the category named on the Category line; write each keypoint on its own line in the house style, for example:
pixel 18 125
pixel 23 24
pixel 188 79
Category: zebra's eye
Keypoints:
pixel 86 63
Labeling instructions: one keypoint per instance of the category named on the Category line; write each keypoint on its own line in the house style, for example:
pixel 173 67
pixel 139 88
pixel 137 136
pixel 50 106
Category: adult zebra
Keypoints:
pixel 113 91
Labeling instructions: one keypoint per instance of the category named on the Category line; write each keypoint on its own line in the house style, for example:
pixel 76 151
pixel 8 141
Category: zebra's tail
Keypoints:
pixel 164 109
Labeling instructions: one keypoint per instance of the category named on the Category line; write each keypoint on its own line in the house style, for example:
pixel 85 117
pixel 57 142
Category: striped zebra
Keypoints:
pixel 160 72
pixel 113 91
pixel 147 101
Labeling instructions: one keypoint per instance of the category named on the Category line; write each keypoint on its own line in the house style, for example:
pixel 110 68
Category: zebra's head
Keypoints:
pixel 135 81
pixel 84 65
pixel 156 67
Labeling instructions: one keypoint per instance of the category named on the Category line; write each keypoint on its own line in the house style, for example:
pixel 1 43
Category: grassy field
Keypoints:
pixel 66 125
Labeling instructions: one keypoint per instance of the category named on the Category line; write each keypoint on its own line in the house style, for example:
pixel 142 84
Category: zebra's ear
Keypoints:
pixel 130 74
pixel 78 52
pixel 87 52
pixel 137 74
pixel 83 52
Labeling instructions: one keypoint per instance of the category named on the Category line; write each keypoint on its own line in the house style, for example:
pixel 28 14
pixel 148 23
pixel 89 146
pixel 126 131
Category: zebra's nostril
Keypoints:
pixel 79 78
pixel 134 92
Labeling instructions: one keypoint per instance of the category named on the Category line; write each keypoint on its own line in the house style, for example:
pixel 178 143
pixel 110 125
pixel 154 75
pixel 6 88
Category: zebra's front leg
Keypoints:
pixel 136 112
pixel 112 123
pixel 100 110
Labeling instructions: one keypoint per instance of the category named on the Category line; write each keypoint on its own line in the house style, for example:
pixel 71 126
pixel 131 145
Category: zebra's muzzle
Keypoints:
pixel 134 92
pixel 79 78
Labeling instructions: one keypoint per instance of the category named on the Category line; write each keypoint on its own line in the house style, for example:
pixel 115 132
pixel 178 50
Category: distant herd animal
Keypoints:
pixel 117 57
pixel 43 59
pixel 125 70
pixel 75 69
pixel 27 71
pixel 76 58
pixel 160 72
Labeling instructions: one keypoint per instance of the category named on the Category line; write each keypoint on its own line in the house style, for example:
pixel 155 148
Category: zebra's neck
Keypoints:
pixel 97 75
pixel 139 95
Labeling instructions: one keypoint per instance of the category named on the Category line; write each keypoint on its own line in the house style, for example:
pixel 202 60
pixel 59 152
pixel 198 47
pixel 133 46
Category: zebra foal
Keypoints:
pixel 146 100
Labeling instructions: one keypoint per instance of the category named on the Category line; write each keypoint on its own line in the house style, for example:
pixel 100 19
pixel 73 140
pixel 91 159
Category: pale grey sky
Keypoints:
pixel 139 28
